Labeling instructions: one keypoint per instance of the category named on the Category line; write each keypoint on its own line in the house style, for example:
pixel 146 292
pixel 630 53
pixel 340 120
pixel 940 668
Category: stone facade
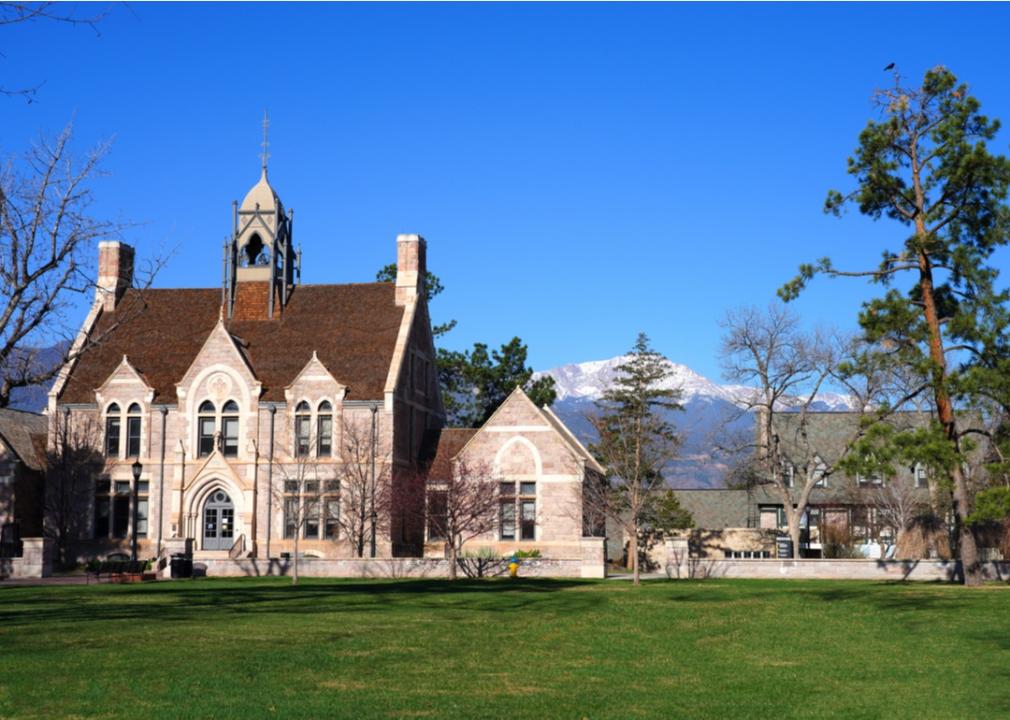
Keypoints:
pixel 22 482
pixel 252 453
pixel 229 427
pixel 530 450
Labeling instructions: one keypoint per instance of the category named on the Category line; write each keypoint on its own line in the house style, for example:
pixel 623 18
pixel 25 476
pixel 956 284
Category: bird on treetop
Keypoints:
pixel 889 67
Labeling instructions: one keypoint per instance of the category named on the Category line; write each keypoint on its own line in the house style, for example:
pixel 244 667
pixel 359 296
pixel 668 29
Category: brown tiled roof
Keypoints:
pixel 441 446
pixel 352 328
pixel 25 434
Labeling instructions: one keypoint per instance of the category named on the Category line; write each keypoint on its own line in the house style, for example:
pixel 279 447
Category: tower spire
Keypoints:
pixel 265 155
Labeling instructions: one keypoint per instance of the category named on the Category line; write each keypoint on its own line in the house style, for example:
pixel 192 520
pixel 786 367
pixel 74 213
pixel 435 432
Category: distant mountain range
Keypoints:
pixel 711 411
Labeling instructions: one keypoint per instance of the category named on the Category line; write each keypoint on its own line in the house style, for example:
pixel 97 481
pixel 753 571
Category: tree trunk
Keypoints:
pixel 967 551
pixel 794 535
pixel 633 549
pixel 294 575
pixel 452 561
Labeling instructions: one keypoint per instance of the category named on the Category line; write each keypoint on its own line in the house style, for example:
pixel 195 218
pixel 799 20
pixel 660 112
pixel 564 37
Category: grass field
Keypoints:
pixel 499 649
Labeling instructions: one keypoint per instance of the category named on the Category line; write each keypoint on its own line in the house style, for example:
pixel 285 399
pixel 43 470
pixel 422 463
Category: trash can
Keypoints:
pixel 182 566
pixel 784 547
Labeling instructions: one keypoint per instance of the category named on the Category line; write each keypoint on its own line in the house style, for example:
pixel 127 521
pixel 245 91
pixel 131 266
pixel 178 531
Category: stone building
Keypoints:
pixel 235 420
pixel 540 467
pixel 845 513
pixel 235 401
pixel 22 477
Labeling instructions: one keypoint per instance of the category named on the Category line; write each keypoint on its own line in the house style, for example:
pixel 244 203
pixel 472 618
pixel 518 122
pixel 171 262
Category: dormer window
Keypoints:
pixel 874 478
pixel 788 473
pixel 206 426
pixel 820 473
pixel 324 430
pixel 133 424
pixel 303 429
pixel 113 428
pixel 229 429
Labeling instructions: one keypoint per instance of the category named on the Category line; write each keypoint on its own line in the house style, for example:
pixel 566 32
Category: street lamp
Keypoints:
pixel 137 468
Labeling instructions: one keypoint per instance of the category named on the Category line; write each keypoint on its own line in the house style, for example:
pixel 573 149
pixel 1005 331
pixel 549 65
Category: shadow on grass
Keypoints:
pixel 194 599
pixel 884 596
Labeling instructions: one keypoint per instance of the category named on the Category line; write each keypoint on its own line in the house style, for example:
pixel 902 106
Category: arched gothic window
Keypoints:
pixel 113 428
pixel 133 422
pixel 324 430
pixel 206 426
pixel 229 428
pixel 303 428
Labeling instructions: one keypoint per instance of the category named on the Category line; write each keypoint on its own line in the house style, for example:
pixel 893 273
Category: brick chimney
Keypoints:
pixel 410 267
pixel 115 273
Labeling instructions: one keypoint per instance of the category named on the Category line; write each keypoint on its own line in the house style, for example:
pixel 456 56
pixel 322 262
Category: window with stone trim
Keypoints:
pixel 206 428
pixel 517 511
pixel 507 511
pixel 331 517
pixel 133 425
pixel 324 430
pixel 113 429
pixel 143 507
pixel 113 508
pixel 303 429
pixel 229 429
pixel 438 514
pixel 314 507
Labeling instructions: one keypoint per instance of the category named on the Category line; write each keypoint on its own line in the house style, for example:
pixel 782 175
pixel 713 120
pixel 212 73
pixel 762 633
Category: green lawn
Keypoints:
pixel 523 649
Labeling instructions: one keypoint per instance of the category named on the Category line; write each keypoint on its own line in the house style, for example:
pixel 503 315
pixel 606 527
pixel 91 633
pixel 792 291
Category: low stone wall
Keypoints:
pixel 921 570
pixel 35 562
pixel 370 568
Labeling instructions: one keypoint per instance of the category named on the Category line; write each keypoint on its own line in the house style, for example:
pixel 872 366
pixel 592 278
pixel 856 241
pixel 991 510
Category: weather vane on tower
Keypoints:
pixel 265 155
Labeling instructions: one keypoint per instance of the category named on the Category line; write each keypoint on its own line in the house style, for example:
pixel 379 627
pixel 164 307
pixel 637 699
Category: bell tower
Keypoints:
pixel 261 265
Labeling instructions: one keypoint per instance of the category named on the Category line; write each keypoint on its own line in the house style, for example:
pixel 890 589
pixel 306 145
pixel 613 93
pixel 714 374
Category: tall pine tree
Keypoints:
pixel 636 442
pixel 925 165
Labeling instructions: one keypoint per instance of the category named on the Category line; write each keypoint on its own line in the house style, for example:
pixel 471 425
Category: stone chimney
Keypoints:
pixel 115 273
pixel 410 267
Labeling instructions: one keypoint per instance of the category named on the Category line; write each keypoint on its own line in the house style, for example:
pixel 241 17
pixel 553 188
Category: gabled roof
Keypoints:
pixel 353 329
pixel 443 448
pixel 25 434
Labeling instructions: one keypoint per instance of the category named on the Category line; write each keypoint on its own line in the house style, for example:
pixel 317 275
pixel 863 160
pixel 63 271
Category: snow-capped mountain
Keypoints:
pixel 589 380
pixel 711 412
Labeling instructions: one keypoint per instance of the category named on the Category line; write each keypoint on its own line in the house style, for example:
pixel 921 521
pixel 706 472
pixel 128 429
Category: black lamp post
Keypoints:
pixel 137 468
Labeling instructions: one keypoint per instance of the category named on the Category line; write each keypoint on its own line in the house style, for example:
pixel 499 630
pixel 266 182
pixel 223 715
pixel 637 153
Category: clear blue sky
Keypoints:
pixel 580 171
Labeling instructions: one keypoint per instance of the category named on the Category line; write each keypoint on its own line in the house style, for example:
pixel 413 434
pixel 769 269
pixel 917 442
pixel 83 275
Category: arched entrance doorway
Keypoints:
pixel 218 522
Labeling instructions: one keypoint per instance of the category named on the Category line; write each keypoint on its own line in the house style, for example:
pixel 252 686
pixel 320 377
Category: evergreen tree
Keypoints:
pixel 432 289
pixel 475 382
pixel 925 165
pixel 635 442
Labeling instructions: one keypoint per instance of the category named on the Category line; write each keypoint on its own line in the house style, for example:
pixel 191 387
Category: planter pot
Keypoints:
pixel 128 578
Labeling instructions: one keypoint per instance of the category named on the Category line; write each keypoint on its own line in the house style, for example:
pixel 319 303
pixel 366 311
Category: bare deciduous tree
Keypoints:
pixel 14 13
pixel 788 369
pixel 300 496
pixel 73 461
pixel 365 474
pixel 894 504
pixel 47 240
pixel 462 504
